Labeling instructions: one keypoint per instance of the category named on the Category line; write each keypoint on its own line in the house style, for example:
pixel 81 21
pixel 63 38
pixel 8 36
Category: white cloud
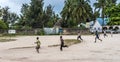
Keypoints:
pixel 14 5
pixel 57 4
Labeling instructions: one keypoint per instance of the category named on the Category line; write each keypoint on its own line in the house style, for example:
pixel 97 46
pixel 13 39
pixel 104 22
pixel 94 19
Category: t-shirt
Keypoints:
pixel 96 33
pixel 38 43
pixel 62 41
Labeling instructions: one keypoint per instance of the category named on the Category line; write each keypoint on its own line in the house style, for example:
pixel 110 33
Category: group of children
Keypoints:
pixel 38 43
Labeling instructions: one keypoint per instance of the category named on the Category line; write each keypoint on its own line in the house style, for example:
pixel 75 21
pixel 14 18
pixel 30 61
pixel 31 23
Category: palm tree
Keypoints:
pixel 66 12
pixel 101 5
pixel 81 10
pixel 5 14
pixel 76 11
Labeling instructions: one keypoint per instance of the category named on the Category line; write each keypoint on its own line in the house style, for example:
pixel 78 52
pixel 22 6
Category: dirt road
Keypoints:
pixel 22 50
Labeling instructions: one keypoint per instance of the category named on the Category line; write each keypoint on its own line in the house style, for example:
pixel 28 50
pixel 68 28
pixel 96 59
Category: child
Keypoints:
pixel 104 33
pixel 38 44
pixel 111 33
pixel 79 36
pixel 62 43
pixel 97 36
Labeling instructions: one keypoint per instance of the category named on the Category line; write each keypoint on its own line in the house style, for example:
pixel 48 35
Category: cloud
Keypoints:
pixel 57 4
pixel 14 5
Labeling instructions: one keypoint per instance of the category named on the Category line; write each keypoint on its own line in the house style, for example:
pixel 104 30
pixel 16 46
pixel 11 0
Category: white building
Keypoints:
pixel 97 27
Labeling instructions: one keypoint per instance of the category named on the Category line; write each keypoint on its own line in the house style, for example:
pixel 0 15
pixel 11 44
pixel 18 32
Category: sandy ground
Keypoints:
pixel 23 50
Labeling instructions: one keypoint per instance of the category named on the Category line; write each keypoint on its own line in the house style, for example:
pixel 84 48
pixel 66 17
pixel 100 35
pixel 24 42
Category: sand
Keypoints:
pixel 23 49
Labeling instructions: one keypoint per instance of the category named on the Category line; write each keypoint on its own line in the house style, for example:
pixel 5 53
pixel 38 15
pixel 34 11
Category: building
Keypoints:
pixel 97 25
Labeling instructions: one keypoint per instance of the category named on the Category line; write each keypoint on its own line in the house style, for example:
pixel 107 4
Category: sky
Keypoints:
pixel 15 5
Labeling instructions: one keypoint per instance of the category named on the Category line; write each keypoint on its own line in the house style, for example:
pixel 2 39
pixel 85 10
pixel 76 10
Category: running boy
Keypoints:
pixel 79 36
pixel 38 44
pixel 97 36
pixel 62 44
pixel 104 33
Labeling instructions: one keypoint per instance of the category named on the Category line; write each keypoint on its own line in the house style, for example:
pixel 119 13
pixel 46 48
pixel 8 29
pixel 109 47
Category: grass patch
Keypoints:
pixel 68 42
pixel 22 47
pixel 7 40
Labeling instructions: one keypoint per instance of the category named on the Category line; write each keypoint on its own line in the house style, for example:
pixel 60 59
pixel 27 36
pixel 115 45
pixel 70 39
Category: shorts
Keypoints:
pixel 37 47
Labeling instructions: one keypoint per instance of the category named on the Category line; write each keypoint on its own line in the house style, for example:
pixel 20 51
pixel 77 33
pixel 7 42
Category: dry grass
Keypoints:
pixel 7 40
pixel 68 42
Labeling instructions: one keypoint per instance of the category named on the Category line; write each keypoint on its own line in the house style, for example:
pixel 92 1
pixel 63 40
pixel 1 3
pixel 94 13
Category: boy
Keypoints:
pixel 104 33
pixel 79 36
pixel 97 36
pixel 38 44
pixel 111 33
pixel 62 43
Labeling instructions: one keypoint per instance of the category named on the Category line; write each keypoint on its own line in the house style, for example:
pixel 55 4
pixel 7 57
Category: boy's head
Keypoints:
pixel 60 36
pixel 37 38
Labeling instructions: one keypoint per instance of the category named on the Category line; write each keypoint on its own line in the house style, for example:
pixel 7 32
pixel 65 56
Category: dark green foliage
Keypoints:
pixel 75 12
pixel 114 14
pixel 102 5
pixel 3 25
pixel 35 16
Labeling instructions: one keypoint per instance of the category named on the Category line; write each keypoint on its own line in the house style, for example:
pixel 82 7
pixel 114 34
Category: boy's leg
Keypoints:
pixel 37 50
pixel 104 35
pixel 65 46
pixel 95 39
pixel 81 38
pixel 78 38
pixel 61 48
pixel 100 39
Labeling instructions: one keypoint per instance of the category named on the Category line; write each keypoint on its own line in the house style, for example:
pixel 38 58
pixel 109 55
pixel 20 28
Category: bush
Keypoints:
pixel 116 28
pixel 104 28
pixel 40 32
pixel 111 28
pixel 3 25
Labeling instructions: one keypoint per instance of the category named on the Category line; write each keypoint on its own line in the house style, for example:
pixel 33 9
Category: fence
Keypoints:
pixel 72 31
pixel 66 31
pixel 25 32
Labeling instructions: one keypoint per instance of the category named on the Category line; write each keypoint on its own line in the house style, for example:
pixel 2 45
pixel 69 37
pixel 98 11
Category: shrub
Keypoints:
pixel 3 25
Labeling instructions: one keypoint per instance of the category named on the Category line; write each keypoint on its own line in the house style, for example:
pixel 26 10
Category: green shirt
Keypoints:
pixel 38 43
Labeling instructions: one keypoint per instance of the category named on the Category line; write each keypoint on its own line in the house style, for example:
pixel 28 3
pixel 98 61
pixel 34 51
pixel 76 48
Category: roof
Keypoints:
pixel 97 25
pixel 100 20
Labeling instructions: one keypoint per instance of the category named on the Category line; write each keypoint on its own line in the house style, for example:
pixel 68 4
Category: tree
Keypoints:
pixel 24 18
pixel 7 17
pixel 102 5
pixel 50 18
pixel 0 12
pixel 5 14
pixel 13 18
pixel 3 25
pixel 36 13
pixel 113 13
pixel 95 15
pixel 75 12
pixel 34 16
